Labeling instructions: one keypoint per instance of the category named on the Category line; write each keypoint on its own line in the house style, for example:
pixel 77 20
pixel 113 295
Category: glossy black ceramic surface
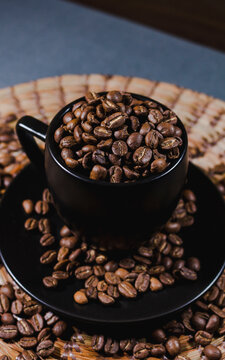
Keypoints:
pixel 20 252
pixel 116 211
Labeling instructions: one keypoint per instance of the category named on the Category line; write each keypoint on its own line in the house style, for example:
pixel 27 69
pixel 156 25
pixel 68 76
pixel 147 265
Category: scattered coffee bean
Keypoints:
pixel 28 206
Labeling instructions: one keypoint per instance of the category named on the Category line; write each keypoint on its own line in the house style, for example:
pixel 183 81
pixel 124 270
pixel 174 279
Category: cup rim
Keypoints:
pixel 53 148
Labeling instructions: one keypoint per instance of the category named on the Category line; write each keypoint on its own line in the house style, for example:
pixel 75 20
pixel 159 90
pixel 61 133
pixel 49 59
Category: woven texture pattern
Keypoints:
pixel 203 116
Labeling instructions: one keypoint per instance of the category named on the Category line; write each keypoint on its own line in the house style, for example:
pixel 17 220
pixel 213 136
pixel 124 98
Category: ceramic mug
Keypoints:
pixel 118 214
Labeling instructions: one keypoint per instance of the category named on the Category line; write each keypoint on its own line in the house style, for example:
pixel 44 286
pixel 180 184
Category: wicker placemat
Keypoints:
pixel 203 116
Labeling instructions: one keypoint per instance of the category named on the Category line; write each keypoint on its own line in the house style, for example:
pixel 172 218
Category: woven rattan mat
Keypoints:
pixel 203 116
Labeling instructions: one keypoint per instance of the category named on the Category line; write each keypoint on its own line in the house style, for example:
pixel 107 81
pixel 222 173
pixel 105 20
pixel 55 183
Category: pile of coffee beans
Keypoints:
pixel 201 322
pixel 118 138
pixel 26 321
pixel 157 263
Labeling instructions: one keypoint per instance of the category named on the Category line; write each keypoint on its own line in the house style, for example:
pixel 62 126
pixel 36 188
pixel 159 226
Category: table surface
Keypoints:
pixel 54 37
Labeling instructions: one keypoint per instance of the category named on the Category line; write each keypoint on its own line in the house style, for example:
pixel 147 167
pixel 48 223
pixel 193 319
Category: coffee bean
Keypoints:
pixel 127 263
pixel 166 279
pixel 47 240
pixel 105 299
pixel 41 207
pixel 44 226
pixel 97 342
pixel 203 338
pixel 173 346
pixel 127 345
pixel 28 342
pixel 116 174
pixel 92 292
pixel 83 272
pixel 127 290
pixel 134 140
pixel 189 195
pixel 141 351
pixel 155 116
pixel 45 348
pixel 98 172
pixel 142 282
pixel 16 307
pixel 7 290
pixel 69 241
pixel 111 278
pixel 63 253
pixel 193 264
pixel 159 335
pixel 28 206
pixel 59 328
pixel 122 133
pixel 212 352
pixel 102 133
pixel 158 165
pixel 91 281
pixel 213 323
pixel 158 350
pixel 122 273
pixel 111 266
pixel 25 328
pixel 130 174
pixel 48 257
pixel 188 274
pixel 75 254
pixel 217 310
pixel 60 275
pixel 50 282
pixel 80 297
pixel 155 284
pixel 50 318
pixel 67 142
pixel 7 319
pixel 115 120
pixel 30 224
pixel 113 291
pixel 111 346
pixel 119 148
pixel 8 332
pixel 152 139
pixel 102 286
pixel 4 303
pixel 142 156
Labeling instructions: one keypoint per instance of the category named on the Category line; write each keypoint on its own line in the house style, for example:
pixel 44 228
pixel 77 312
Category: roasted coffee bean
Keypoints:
pixel 50 318
pixel 175 239
pixel 212 352
pixel 91 281
pixel 134 140
pixel 193 263
pixel 111 278
pixel 114 96
pixel 31 307
pixel 97 342
pixel 189 195
pixel 105 299
pixel 122 273
pixel 159 335
pixel 7 319
pixel 92 292
pixel 203 338
pixel 130 174
pixel 98 172
pixel 60 275
pixel 217 310
pixel 99 270
pixel 152 139
pixel 66 154
pixel 83 272
pixel 127 345
pixel 109 106
pixel 80 297
pixel 67 142
pixel 47 240
pixel 102 286
pixel 8 332
pixel 67 117
pixel 113 291
pixel 63 253
pixel 166 279
pixel 167 262
pixel 142 282
pixel 166 129
pixel 172 227
pixel 199 320
pixel 25 328
pixel 127 263
pixel 111 346
pixel 155 284
pixel 59 328
pixel 188 273
pixel 158 165
pixel 169 143
pixel 37 322
pixel 41 207
pixel 44 334
pixel 30 224
pixel 16 307
pixel 28 342
pixel 177 252
pixel 111 266
pixel 44 226
pixel 75 254
pixel 4 303
pixel 119 148
pixel 127 289
pixel 122 133
pixel 173 346
pixel 48 257
pixel 115 120
pixel 45 348
pixel 69 241
pixel 61 264
pixel 50 282
pixel 155 116
pixel 59 133
pixel 28 206
pixel 116 174
pixel 213 323
pixel 142 156
pixel 7 290
pixel 157 350
pixel 156 270
pixel 141 351
pixel 99 157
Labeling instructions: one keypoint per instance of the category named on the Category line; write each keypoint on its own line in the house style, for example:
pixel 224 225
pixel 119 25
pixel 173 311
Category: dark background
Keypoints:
pixel 202 21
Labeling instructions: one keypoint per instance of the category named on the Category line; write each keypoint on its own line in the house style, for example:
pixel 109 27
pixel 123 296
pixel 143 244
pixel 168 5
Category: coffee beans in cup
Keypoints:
pixel 118 138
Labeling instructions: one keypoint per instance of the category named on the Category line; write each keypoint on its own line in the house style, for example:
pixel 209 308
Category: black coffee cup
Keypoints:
pixel 118 215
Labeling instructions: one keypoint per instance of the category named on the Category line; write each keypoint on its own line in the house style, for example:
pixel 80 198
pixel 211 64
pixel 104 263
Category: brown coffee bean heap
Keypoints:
pixel 118 138
pixel 157 263
pixel 202 322
pixel 26 321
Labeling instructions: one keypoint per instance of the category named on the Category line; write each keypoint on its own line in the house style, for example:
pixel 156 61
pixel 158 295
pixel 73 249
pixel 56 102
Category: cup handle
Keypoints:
pixel 28 127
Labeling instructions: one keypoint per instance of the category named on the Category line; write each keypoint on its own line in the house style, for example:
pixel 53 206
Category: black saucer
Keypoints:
pixel 20 252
